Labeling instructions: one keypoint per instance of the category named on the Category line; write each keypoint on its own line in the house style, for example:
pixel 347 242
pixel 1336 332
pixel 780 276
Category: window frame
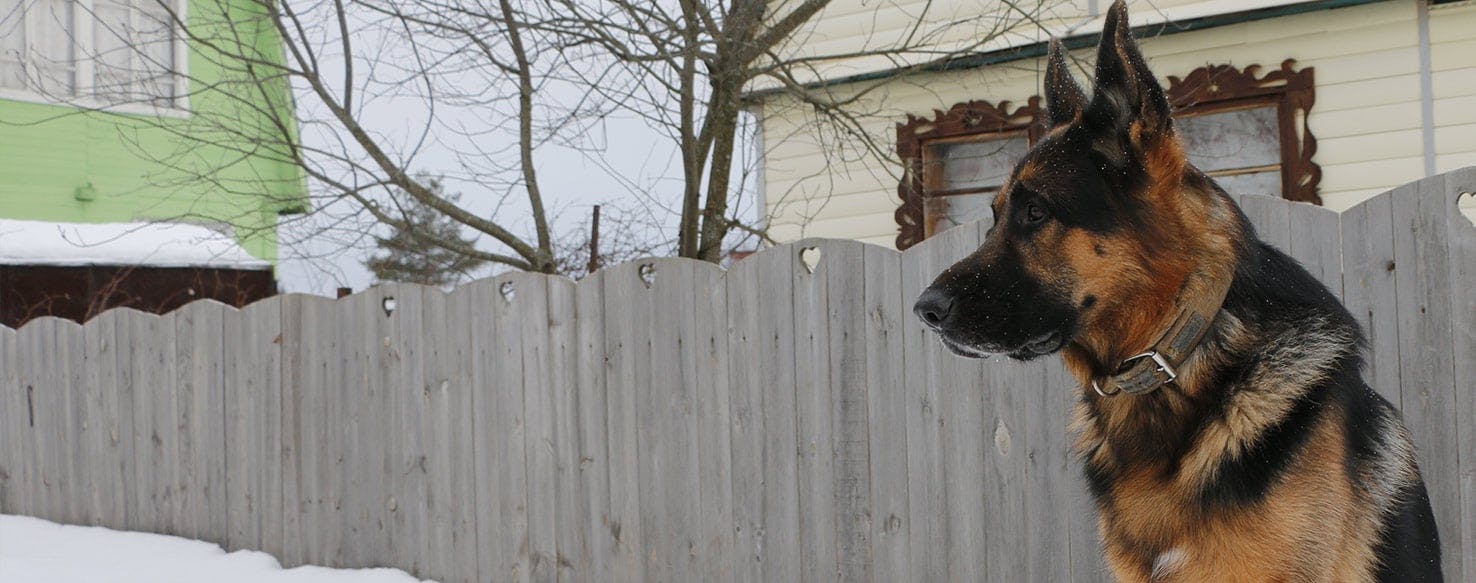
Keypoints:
pixel 1209 89
pixel 963 121
pixel 85 75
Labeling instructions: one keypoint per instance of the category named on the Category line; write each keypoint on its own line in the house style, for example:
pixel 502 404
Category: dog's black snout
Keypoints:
pixel 933 307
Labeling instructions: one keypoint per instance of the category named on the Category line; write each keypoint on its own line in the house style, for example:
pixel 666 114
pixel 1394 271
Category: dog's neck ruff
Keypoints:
pixel 1157 366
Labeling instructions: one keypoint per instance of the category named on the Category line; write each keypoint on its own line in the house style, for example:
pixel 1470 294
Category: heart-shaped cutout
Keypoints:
pixel 647 271
pixel 810 258
pixel 1466 205
pixel 388 305
pixel 508 291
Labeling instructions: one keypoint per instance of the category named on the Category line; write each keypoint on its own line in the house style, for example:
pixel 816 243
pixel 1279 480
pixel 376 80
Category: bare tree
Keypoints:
pixel 622 238
pixel 475 89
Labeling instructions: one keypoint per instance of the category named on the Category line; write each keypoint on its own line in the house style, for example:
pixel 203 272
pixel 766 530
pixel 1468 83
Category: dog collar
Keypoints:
pixel 1155 367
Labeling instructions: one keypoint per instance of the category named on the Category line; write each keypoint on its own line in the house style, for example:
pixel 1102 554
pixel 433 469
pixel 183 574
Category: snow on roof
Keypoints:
pixel 142 244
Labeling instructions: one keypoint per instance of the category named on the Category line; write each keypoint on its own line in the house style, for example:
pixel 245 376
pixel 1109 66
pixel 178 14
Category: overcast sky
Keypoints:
pixel 616 158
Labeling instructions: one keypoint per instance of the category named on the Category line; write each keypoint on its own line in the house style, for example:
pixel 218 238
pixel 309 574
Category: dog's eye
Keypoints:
pixel 1033 213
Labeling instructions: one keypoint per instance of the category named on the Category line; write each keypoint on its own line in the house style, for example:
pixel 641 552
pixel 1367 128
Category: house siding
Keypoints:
pixel 1453 77
pixel 137 164
pixel 1367 117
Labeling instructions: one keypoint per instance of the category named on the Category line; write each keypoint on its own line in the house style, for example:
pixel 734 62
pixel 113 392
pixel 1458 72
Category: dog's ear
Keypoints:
pixel 1064 99
pixel 1127 98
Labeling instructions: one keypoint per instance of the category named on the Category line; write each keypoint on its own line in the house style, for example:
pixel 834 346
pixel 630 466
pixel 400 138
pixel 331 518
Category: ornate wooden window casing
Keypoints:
pixel 1247 130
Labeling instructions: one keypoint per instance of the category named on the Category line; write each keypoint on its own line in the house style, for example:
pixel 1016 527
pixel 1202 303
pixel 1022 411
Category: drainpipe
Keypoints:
pixel 1427 89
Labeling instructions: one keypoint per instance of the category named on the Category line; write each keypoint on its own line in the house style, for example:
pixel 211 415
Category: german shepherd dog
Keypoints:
pixel 1225 430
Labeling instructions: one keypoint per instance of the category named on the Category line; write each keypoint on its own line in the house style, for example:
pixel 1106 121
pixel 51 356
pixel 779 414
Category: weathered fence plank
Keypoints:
pixel 1316 243
pixel 628 353
pixel 716 544
pixel 845 358
pixel 884 317
pixel 571 560
pixel 746 419
pixel 1368 288
pixel 1461 250
pixel 46 398
pixel 452 402
pixel 1045 455
pixel 102 426
pixel 668 434
pixel 538 415
pixel 358 480
pixel 1426 363
pixel 154 418
pixel 816 469
pixel 253 391
pixel 665 420
pixel 15 430
pixel 1271 217
pixel 491 432
pixel 777 356
pixel 594 454
pixel 969 418
pixel 509 538
pixel 408 460
pixel 930 517
pixel 302 381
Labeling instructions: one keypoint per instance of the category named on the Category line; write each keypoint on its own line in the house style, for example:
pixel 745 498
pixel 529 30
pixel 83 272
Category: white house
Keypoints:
pixel 1324 101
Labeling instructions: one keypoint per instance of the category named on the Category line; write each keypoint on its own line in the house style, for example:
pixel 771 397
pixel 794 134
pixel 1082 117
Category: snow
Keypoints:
pixel 143 244
pixel 39 551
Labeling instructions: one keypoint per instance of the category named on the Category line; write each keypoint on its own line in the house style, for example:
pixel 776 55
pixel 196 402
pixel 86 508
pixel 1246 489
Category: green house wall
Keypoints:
pixel 69 164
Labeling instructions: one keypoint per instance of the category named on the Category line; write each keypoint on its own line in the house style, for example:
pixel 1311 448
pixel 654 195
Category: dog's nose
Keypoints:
pixel 933 307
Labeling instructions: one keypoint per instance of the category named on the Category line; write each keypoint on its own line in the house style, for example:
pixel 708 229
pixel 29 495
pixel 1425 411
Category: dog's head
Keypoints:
pixel 1095 229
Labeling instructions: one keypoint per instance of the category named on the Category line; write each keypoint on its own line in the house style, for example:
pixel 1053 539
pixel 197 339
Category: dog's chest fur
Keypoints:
pixel 1241 468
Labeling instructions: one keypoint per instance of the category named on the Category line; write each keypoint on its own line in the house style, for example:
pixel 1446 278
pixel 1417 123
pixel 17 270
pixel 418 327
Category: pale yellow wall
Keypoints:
pixel 1453 67
pixel 858 36
pixel 1367 116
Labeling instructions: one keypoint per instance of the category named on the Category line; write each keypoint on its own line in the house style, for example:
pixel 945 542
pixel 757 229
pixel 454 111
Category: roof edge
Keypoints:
pixel 1038 49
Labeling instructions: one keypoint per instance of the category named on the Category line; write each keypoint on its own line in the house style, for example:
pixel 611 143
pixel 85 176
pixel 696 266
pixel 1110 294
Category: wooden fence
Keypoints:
pixel 787 420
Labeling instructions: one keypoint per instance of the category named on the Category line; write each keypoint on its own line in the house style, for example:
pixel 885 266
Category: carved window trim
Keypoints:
pixel 1203 90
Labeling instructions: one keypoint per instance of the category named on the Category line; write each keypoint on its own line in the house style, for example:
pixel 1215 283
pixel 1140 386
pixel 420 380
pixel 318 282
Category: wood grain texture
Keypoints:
pixel 929 527
pixel 885 317
pixel 627 356
pixel 1426 362
pixel 593 433
pixel 812 411
pixel 1462 252
pixel 1369 291
pixel 716 547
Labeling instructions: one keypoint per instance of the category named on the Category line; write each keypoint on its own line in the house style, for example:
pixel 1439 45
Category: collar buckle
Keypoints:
pixel 1143 381
pixel 1158 359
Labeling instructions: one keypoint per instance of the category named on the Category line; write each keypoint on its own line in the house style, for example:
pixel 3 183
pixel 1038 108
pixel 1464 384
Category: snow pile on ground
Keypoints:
pixel 38 551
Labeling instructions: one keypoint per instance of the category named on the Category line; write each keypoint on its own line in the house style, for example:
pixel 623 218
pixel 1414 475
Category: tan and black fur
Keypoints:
pixel 1269 458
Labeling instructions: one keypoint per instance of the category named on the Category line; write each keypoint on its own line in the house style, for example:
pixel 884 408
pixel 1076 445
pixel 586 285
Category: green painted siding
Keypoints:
pixel 142 167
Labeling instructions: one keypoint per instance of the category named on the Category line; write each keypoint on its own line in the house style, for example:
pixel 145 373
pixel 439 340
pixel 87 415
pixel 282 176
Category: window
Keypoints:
pixel 1246 130
pixel 36 51
pixel 1239 146
pixel 134 42
pixel 961 175
pixel 957 161
pixel 92 52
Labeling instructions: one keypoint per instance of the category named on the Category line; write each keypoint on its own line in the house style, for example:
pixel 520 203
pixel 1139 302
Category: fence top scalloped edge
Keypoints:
pixel 1453 184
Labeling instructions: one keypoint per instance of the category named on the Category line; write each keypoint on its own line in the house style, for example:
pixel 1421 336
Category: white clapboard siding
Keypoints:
pixel 666 420
pixel 1366 117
